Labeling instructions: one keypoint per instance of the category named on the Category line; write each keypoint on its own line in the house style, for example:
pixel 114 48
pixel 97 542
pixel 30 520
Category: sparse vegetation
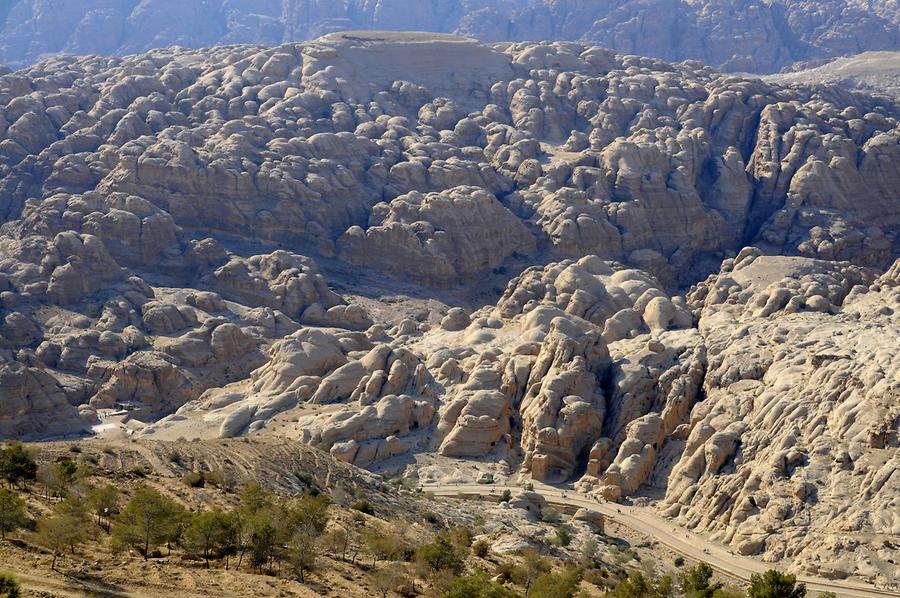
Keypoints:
pixel 9 586
pixel 193 479
pixel 774 584
pixel 363 506
pixel 481 548
pixel 556 585
pixel 302 537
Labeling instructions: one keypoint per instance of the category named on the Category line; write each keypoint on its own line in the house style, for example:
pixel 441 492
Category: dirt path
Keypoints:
pixel 680 540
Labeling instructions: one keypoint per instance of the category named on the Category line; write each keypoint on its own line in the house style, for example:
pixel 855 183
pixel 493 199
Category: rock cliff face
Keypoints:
pixel 742 35
pixel 554 262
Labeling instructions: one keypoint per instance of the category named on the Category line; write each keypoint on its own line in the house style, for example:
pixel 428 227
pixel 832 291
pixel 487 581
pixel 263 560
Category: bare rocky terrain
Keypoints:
pixel 441 260
pixel 873 72
pixel 745 35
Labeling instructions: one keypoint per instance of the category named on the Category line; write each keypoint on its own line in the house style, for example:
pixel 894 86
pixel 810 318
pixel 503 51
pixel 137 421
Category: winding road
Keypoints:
pixel 645 521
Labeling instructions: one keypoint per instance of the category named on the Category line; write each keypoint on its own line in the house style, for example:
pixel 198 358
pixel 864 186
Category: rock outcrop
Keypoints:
pixel 554 263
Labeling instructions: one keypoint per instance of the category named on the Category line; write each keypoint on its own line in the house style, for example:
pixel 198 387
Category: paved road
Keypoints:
pixel 647 522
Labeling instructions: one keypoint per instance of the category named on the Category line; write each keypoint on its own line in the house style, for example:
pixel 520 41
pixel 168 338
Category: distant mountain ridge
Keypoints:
pixel 760 36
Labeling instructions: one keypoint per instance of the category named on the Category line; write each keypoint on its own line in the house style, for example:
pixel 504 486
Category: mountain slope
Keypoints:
pixel 522 260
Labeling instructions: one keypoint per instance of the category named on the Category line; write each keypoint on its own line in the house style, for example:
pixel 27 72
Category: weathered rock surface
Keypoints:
pixel 440 238
pixel 471 271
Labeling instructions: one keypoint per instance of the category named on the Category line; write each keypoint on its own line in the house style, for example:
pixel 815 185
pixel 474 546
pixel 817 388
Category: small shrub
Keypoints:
pixel 75 449
pixel 550 515
pixel 432 518
pixel 139 471
pixel 563 537
pixel 175 457
pixel 596 577
pixel 481 548
pixel 506 571
pixel 193 480
pixel 9 586
pixel 679 561
pixel 363 506
pixel 506 496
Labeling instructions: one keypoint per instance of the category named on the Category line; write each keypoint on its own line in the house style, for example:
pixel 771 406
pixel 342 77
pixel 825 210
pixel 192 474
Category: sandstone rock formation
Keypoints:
pixel 554 262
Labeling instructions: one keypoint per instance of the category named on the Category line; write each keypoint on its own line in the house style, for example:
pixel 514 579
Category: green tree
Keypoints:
pixel 65 529
pixel 477 586
pixel 550 585
pixel 61 532
pixel 254 534
pixel 589 550
pixel 532 567
pixel 9 586
pixel 253 524
pixel 638 586
pixel 104 502
pixel 389 577
pixel 254 498
pixel 303 550
pixel 382 545
pixel 148 521
pixel 12 512
pixel 337 540
pixel 60 477
pixel 307 512
pixel 774 584
pixel 440 555
pixel 210 533
pixel 696 581
pixel 263 543
pixel 562 535
pixel 17 464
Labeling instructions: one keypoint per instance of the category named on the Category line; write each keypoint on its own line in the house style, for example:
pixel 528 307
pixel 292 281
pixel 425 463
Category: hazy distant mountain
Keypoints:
pixel 736 35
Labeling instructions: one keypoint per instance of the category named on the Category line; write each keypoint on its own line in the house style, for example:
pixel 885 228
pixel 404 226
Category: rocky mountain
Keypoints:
pixel 523 261
pixel 734 35
pixel 872 72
